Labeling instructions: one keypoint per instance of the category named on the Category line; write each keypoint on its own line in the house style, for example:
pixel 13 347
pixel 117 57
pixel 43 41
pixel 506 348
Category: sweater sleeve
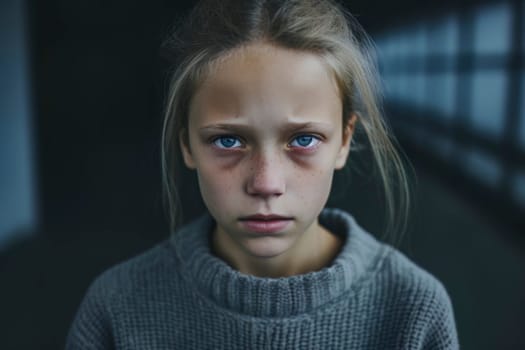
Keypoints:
pixel 91 326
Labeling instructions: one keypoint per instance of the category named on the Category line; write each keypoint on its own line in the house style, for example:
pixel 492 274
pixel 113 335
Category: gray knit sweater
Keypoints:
pixel 178 295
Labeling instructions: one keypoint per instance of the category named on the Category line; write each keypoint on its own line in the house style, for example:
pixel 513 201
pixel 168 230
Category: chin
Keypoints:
pixel 266 247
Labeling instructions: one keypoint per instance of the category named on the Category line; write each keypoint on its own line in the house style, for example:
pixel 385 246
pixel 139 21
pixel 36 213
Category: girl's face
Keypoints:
pixel 265 136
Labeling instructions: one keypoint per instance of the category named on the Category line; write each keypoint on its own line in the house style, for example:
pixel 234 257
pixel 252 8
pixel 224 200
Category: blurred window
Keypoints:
pixel 489 90
pixel 441 92
pixel 450 76
pixel 443 36
pixel 417 90
pixel 492 29
pixel 418 40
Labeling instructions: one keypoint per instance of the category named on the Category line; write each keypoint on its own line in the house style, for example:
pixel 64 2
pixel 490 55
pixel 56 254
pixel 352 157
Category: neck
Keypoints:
pixel 314 250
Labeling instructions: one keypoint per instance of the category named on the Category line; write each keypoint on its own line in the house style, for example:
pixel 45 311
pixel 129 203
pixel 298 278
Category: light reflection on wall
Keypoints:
pixel 522 110
pixel 17 202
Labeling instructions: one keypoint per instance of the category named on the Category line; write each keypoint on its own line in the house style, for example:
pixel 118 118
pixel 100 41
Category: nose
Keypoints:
pixel 267 178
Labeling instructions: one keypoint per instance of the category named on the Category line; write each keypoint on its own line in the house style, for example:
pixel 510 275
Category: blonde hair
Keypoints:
pixel 217 27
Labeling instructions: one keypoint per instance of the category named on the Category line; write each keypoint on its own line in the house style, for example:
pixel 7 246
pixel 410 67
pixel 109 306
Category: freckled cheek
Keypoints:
pixel 314 171
pixel 312 184
pixel 217 184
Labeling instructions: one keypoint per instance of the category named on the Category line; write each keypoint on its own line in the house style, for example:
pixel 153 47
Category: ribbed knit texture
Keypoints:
pixel 178 295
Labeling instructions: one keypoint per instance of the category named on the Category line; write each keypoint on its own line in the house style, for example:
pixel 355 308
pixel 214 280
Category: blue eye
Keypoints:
pixel 305 141
pixel 227 142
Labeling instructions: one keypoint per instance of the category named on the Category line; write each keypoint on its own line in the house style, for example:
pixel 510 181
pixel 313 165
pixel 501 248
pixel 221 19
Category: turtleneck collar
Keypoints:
pixel 277 297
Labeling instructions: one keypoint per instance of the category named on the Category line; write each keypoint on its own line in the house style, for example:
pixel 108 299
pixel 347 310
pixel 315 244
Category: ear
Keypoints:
pixel 184 143
pixel 348 132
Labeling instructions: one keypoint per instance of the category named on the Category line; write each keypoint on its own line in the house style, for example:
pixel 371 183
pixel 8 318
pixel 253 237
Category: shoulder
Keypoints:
pixel 408 278
pixel 421 301
pixel 385 270
pixel 154 263
pixel 125 279
pixel 154 269
pixel 114 290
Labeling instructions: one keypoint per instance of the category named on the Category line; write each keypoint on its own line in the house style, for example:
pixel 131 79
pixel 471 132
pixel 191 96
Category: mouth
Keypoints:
pixel 261 223
pixel 265 217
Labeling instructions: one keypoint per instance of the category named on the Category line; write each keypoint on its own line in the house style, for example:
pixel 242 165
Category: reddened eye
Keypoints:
pixel 227 141
pixel 305 141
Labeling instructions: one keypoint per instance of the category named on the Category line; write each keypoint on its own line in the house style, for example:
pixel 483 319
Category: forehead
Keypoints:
pixel 267 80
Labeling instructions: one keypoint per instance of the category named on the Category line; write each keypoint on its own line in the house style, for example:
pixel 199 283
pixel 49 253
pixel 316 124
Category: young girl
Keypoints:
pixel 263 105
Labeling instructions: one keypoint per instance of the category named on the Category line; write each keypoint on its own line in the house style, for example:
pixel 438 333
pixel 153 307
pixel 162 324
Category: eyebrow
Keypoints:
pixel 289 127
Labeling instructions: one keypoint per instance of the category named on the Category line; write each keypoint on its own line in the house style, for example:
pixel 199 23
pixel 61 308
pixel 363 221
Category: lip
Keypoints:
pixel 265 217
pixel 261 223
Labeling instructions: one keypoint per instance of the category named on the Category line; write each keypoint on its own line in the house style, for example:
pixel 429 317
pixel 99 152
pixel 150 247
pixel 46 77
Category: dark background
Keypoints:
pixel 82 87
